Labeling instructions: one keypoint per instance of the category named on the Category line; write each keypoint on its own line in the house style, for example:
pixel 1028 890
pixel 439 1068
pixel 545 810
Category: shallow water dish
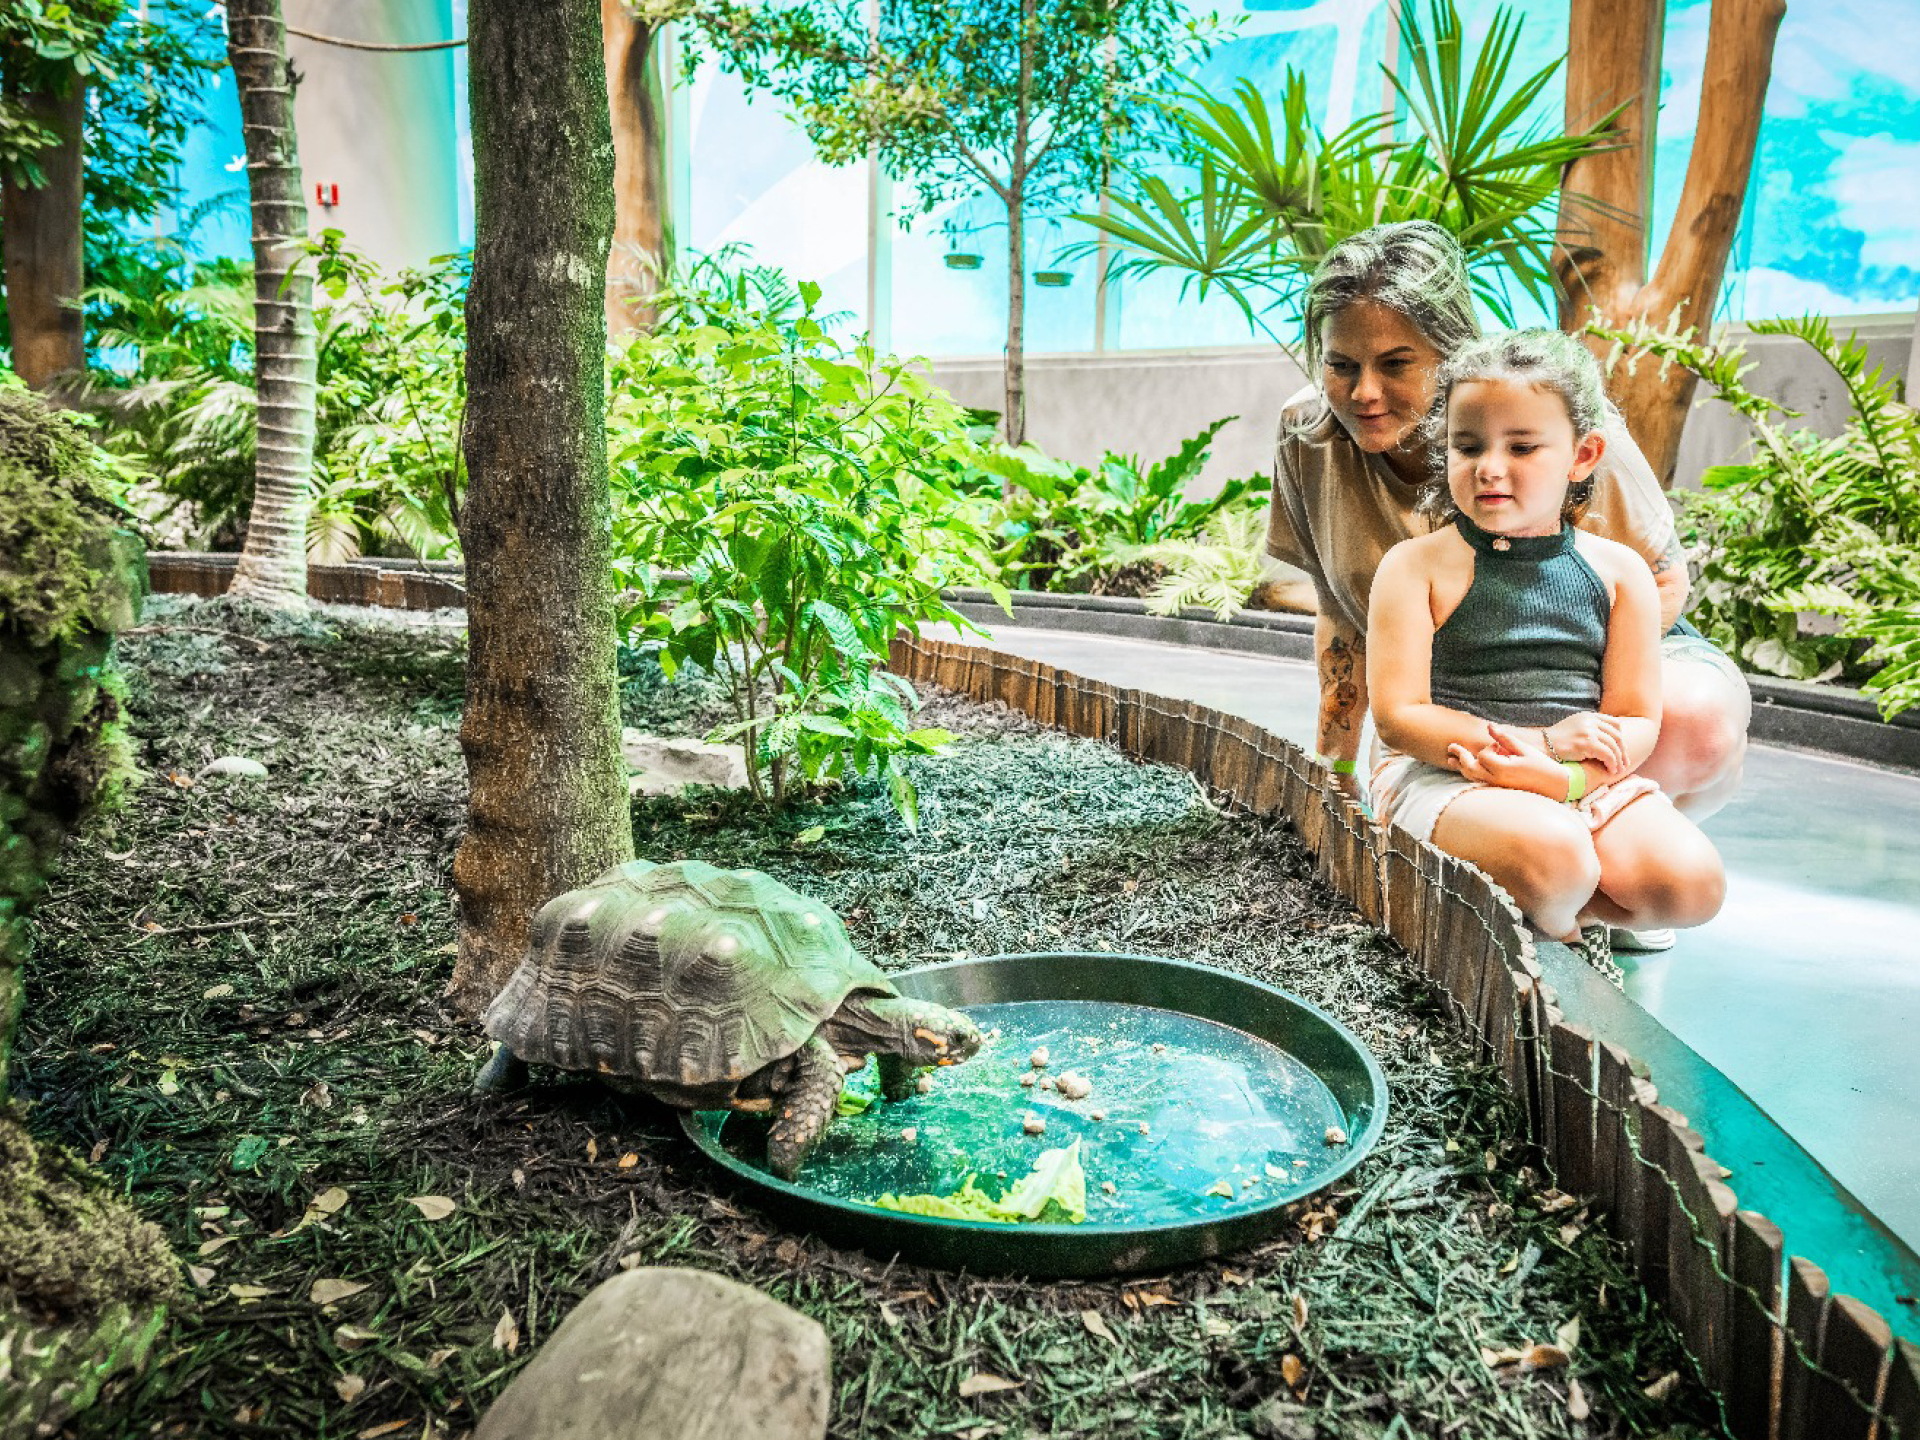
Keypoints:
pixel 1222 1103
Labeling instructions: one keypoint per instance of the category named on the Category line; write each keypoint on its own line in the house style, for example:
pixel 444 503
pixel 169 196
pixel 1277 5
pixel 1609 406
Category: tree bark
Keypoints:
pixel 273 560
pixel 43 250
pixel 548 808
pixel 638 109
pixel 1603 265
pixel 1015 375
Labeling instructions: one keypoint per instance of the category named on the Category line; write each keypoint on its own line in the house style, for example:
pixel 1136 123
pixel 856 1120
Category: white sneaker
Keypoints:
pixel 1639 942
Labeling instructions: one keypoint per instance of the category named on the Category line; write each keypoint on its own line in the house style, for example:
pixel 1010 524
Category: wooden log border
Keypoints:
pixel 1791 1361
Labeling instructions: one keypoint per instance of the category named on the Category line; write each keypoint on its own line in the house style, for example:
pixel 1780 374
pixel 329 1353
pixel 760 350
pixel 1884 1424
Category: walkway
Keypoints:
pixel 1804 991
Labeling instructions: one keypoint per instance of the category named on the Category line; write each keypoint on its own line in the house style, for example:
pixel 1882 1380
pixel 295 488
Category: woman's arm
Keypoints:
pixel 1630 668
pixel 1400 664
pixel 1341 654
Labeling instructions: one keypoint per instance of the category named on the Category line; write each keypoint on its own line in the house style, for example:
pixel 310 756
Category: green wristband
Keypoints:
pixel 1576 780
pixel 1339 767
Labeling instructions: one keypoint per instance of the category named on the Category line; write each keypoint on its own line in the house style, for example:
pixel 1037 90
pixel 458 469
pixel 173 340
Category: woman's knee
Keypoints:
pixel 1703 722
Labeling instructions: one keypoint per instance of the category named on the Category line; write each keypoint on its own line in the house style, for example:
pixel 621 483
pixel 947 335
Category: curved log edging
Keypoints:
pixel 409 585
pixel 1792 1361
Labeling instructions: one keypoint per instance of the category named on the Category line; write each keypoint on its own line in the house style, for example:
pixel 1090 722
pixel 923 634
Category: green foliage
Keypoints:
pixel 175 338
pixel 1269 195
pixel 1058 526
pixel 1216 570
pixel 1027 104
pixel 144 68
pixel 1811 525
pixel 396 474
pixel 783 507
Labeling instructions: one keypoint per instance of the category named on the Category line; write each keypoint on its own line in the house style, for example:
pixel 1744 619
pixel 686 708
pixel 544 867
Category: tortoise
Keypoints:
pixel 711 989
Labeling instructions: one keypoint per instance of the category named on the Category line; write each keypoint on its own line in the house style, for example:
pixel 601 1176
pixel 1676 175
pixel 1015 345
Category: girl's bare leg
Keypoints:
pixel 1539 851
pixel 1656 869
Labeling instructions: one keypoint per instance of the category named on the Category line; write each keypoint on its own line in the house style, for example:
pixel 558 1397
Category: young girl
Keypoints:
pixel 1511 620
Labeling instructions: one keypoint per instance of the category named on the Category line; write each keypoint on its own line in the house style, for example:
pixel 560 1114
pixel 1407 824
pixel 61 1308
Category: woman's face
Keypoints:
pixel 1377 370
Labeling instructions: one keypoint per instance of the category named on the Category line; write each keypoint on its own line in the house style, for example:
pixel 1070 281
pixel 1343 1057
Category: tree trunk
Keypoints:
pixel 1615 56
pixel 638 109
pixel 43 255
pixel 273 560
pixel 541 731
pixel 1016 361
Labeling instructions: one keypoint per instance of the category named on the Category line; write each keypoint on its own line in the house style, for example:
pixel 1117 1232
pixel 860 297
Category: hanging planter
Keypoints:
pixel 962 260
pixel 1053 279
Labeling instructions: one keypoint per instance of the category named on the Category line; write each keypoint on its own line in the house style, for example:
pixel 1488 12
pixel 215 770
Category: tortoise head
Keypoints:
pixel 918 1031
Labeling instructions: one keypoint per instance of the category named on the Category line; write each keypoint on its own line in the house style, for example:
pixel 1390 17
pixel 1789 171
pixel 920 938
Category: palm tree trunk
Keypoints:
pixel 1015 421
pixel 1614 56
pixel 43 252
pixel 541 728
pixel 273 561
pixel 639 254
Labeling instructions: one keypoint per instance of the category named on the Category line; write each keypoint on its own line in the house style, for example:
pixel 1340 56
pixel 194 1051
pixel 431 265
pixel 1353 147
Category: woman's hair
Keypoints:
pixel 1413 267
pixel 1544 359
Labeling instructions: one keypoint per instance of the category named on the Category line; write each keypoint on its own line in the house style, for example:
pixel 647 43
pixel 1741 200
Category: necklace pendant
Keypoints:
pixel 1501 542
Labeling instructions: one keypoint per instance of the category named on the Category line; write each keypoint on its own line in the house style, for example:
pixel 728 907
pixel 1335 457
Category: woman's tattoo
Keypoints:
pixel 1674 557
pixel 1339 687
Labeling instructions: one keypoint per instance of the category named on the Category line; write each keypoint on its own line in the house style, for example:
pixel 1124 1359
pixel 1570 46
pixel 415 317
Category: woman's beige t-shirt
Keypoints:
pixel 1337 510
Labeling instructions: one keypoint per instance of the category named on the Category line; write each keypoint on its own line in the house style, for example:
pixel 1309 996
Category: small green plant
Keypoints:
pixel 1216 570
pixel 1811 525
pixel 1061 526
pixel 783 507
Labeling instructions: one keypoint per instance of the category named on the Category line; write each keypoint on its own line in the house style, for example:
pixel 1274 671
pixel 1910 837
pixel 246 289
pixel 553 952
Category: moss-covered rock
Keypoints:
pixel 84 1284
pixel 71 576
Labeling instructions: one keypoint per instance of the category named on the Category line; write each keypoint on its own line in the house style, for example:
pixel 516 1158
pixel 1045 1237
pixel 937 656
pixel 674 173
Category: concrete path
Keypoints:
pixel 1804 991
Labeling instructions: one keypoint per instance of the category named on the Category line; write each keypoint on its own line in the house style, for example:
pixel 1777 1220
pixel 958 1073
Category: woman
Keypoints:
pixel 1383 311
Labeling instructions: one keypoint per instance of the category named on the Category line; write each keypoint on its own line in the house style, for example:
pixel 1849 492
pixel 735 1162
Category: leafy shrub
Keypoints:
pixel 1060 526
pixel 784 507
pixel 395 472
pixel 1810 526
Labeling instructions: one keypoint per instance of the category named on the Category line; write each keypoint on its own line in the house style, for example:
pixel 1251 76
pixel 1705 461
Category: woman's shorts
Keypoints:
pixel 1413 794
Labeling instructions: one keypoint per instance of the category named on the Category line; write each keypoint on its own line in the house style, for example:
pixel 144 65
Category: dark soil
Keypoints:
pixel 234 1005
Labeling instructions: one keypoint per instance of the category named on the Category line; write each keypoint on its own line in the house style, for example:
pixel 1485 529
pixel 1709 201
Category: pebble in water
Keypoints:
pixel 1033 1124
pixel 1039 1058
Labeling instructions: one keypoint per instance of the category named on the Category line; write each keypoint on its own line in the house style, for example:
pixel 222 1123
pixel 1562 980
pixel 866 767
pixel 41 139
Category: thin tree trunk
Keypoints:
pixel 273 560
pixel 639 254
pixel 43 252
pixel 548 809
pixel 1016 360
pixel 1604 266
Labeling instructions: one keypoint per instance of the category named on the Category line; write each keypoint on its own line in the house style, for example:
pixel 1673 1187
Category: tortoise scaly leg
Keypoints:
pixel 802 1109
pixel 504 1071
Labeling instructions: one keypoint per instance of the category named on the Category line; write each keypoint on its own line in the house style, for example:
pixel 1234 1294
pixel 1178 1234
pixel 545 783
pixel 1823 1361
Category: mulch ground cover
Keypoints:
pixel 234 1010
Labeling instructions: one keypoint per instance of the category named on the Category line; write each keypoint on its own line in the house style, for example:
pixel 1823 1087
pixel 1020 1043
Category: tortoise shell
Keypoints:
pixel 682 977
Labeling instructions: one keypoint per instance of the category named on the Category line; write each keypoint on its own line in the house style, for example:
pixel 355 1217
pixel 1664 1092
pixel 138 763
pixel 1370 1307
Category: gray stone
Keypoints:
pixel 671 1354
pixel 663 764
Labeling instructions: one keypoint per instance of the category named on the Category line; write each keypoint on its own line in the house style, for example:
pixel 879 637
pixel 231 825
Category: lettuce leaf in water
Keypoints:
pixel 1055 1191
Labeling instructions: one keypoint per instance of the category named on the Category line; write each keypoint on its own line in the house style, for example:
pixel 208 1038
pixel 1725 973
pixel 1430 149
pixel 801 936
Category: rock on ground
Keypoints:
pixel 671 1354
pixel 663 764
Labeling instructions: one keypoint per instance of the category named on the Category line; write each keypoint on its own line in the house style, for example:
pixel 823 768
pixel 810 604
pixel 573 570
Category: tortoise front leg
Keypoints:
pixel 803 1107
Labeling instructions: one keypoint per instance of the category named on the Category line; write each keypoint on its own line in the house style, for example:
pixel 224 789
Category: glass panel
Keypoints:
pixel 756 182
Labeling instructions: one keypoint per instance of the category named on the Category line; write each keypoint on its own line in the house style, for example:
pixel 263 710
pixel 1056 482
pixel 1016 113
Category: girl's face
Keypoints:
pixel 1377 371
pixel 1512 453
